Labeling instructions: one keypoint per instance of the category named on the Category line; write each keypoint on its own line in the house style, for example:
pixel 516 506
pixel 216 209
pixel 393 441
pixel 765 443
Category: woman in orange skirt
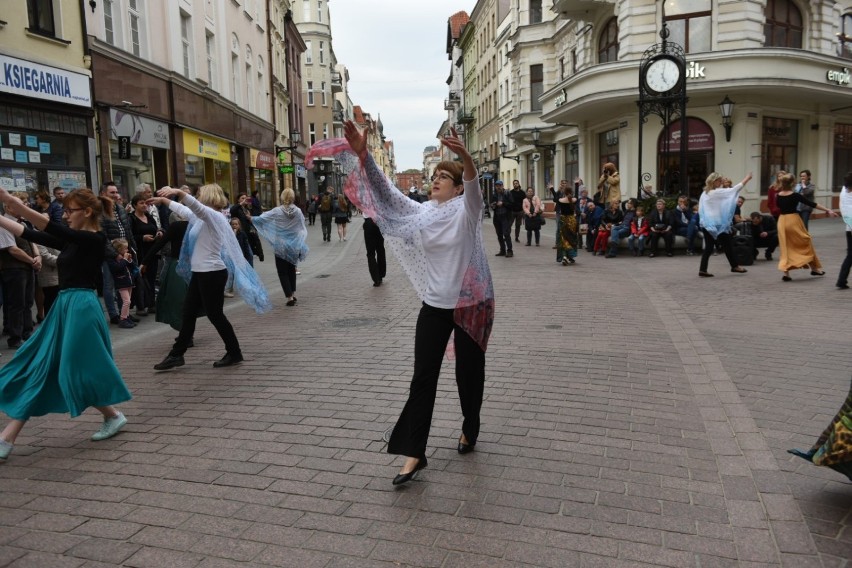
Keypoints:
pixel 797 249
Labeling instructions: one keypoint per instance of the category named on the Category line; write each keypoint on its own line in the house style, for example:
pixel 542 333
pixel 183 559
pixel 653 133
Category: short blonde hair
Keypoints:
pixel 787 180
pixel 119 244
pixel 288 196
pixel 711 179
pixel 212 196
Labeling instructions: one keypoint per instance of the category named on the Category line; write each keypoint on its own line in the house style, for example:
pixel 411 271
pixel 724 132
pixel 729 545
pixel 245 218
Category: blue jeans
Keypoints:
pixel 689 233
pixel 618 233
pixel 806 216
pixel 640 246
pixel 109 290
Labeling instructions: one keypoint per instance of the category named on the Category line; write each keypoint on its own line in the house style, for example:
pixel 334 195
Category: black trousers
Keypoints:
pixel 18 297
pixel 668 239
pixel 375 255
pixel 286 275
pixel 518 217
pixel 206 290
pixel 312 217
pixel 503 228
pixel 434 326
pixel 843 275
pixel 325 221
pixel 724 241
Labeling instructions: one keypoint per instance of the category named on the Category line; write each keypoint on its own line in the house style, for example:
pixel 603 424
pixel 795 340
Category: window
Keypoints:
pixel 210 46
pixel 783 27
pixel 322 89
pixel 324 130
pixel 261 107
pixel 310 93
pixel 689 23
pixel 249 81
pixel 322 52
pixel 109 22
pixel 319 10
pixel 135 28
pixel 306 10
pixel 40 14
pixel 780 149
pixel 312 133
pixel 309 53
pixel 186 41
pixel 535 11
pixel 536 86
pixel 842 154
pixel 235 68
pixel 845 37
pixel 608 147
pixel 608 42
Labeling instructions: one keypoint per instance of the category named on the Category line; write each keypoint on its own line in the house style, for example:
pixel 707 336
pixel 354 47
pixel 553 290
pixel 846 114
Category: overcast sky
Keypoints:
pixel 395 51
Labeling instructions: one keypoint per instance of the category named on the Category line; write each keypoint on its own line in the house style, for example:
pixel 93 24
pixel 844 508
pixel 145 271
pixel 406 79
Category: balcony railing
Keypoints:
pixel 337 116
pixel 336 82
pixel 465 116
pixel 450 104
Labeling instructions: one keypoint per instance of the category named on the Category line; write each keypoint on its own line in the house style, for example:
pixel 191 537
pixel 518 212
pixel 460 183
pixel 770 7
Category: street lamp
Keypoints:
pixel 536 136
pixel 503 149
pixel 295 138
pixel 727 109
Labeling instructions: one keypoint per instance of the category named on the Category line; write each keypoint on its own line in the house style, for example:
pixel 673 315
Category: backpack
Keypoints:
pixel 325 204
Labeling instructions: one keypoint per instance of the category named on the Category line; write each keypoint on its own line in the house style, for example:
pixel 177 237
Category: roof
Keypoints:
pixel 457 22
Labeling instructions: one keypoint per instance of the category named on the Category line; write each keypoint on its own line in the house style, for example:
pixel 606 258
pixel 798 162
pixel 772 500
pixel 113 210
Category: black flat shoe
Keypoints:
pixel 817 272
pixel 169 362
pixel 406 477
pixel 739 270
pixel 786 278
pixel 465 448
pixel 705 275
pixel 228 360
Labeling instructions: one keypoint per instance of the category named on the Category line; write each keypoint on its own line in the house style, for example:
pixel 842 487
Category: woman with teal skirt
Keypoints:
pixel 67 365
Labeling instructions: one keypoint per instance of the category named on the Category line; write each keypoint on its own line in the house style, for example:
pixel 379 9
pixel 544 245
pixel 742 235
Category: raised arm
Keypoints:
pixel 472 196
pixel 189 206
pixel 15 206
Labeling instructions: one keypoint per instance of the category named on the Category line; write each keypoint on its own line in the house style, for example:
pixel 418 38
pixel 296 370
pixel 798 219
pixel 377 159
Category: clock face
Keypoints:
pixel 662 75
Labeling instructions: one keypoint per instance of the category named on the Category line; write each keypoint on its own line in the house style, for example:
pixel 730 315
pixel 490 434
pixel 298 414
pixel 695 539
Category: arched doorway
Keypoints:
pixel 700 157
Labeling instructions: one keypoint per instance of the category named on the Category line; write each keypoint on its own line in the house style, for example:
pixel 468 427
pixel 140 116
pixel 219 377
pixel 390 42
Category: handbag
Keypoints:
pixel 541 220
pixel 584 228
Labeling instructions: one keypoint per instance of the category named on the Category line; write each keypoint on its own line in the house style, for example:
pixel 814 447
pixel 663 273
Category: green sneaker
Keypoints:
pixel 110 427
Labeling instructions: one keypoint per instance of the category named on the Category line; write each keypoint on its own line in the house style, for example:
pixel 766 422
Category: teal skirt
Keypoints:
pixel 66 365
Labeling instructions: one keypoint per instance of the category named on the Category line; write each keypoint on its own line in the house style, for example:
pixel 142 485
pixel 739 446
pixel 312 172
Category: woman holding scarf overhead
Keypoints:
pixel 439 244
pixel 716 213
pixel 210 251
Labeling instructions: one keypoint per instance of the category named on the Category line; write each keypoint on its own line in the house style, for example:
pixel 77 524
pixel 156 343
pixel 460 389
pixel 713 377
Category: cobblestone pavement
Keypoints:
pixel 634 415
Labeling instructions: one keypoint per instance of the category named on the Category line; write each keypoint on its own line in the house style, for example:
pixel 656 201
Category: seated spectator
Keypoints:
pixel 621 230
pixel 611 217
pixel 592 218
pixel 661 225
pixel 684 224
pixel 764 232
pixel 639 231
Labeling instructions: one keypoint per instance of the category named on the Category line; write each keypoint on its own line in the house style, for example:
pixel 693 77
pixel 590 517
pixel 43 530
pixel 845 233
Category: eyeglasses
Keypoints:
pixel 442 176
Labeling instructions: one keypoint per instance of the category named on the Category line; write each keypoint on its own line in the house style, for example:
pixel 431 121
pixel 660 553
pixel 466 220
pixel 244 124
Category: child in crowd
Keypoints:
pixel 639 231
pixel 121 268
pixel 245 246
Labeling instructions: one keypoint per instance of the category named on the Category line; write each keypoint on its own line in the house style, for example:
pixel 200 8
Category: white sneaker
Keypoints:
pixel 110 427
pixel 229 294
pixel 5 449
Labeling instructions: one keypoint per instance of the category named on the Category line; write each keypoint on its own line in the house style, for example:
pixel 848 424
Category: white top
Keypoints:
pixel 207 253
pixel 846 206
pixel 448 244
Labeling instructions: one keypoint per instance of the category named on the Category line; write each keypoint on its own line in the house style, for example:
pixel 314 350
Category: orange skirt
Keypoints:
pixel 797 248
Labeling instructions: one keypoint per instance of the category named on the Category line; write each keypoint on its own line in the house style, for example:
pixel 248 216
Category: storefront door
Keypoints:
pixel 700 155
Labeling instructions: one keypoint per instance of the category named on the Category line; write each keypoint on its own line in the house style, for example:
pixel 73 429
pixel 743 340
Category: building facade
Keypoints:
pixel 47 137
pixel 183 93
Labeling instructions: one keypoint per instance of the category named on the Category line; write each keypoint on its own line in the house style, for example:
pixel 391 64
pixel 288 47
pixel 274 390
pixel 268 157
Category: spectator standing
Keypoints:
pixel 772 196
pixel 48 279
pixel 326 208
pixel 115 224
pixel 518 195
pixel 19 260
pixel 122 268
pixel 807 190
pixel 501 205
pixel 312 210
pixel 375 244
pixel 846 211
pixel 146 234
pixel 609 184
pixel 54 210
pixel 532 210
pixel 341 215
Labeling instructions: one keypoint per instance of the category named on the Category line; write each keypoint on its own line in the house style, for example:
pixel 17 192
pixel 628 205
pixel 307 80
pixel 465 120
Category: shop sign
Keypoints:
pixel 261 160
pixel 301 171
pixel 561 99
pixel 28 79
pixel 695 71
pixel 203 146
pixel 699 137
pixel 140 130
pixel 839 77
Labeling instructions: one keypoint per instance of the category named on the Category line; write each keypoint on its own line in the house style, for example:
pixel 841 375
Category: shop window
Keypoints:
pixel 608 148
pixel 689 24
pixel 608 42
pixel 783 27
pixel 845 37
pixel 842 155
pixel 780 149
pixel 536 86
pixel 535 11
pixel 40 14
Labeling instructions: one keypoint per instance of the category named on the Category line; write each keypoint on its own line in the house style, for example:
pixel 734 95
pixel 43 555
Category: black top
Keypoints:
pixel 140 229
pixel 788 203
pixel 565 208
pixel 174 236
pixel 79 263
